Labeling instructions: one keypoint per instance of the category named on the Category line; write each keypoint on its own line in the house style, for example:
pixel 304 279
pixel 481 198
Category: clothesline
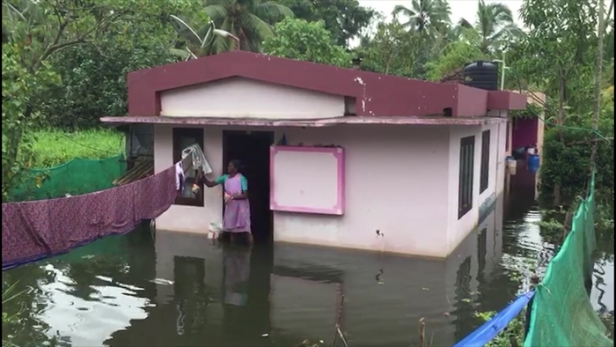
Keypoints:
pixel 34 230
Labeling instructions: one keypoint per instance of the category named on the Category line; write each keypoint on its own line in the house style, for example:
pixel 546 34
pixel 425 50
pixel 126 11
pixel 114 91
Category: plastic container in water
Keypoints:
pixel 533 163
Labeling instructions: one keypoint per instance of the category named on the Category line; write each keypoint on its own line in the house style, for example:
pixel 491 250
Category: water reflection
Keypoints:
pixel 183 290
pixel 236 270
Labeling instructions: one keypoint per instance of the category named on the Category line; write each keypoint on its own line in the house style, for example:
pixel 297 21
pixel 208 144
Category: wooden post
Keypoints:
pixel 422 332
pixel 337 331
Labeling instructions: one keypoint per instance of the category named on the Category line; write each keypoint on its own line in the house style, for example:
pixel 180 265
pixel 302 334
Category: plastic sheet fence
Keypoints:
pixel 79 176
pixel 488 331
pixel 561 313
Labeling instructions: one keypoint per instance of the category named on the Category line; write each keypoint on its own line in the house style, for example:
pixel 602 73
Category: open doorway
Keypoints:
pixel 252 148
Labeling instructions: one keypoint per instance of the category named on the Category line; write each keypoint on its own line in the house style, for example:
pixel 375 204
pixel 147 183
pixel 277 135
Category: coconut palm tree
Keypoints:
pixel 425 16
pixel 494 24
pixel 196 44
pixel 248 20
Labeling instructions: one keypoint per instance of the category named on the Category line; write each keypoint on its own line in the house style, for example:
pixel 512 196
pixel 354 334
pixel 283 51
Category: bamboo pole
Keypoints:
pixel 337 331
pixel 422 332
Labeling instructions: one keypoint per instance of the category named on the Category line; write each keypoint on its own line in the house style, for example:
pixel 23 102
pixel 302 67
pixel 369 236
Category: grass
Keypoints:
pixel 55 147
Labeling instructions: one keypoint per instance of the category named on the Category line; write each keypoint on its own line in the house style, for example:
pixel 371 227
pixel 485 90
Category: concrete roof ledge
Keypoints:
pixel 472 102
pixel 505 100
pixel 376 95
pixel 306 123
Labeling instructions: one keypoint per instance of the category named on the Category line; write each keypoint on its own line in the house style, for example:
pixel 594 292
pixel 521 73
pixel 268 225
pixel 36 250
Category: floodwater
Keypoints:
pixel 170 289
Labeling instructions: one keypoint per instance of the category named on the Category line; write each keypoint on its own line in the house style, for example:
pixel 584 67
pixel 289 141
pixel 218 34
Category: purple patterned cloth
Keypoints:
pixel 237 212
pixel 154 195
pixel 38 229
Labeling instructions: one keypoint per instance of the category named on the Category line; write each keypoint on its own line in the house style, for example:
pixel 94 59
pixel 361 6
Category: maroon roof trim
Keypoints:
pixel 375 94
pixel 398 120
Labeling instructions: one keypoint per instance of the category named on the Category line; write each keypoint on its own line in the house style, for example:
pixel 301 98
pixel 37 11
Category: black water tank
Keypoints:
pixel 482 75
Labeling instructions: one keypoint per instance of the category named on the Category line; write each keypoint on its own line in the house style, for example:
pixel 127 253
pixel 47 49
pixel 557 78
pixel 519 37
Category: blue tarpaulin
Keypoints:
pixel 498 323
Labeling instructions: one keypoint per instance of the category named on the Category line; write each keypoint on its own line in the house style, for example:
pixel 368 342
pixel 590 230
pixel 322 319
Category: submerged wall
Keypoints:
pixel 458 228
pixel 394 183
pixel 400 180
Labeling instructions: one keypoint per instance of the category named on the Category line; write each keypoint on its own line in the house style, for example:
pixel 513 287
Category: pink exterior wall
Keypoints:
pixel 291 191
pixel 190 218
pixel 402 166
pixel 244 98
pixel 398 179
pixel 394 178
pixel 459 228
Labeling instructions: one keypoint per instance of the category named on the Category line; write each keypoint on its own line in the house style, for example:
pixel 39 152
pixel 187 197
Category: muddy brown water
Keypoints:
pixel 171 289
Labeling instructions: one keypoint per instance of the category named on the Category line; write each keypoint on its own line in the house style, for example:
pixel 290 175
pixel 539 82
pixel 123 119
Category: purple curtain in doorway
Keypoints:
pixel 524 132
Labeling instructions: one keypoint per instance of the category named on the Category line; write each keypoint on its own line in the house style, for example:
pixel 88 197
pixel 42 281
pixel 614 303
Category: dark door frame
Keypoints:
pixel 263 134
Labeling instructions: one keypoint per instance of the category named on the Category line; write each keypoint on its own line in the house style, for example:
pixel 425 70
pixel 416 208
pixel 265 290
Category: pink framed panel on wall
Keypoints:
pixel 307 179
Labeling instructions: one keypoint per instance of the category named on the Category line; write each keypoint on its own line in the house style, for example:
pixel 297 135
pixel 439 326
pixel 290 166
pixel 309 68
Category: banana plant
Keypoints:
pixel 202 42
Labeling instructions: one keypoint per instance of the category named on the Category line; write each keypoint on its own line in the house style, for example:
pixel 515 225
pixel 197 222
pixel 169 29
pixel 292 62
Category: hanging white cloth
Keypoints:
pixel 198 158
pixel 179 176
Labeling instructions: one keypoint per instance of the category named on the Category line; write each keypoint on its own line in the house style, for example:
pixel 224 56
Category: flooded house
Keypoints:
pixel 236 295
pixel 331 155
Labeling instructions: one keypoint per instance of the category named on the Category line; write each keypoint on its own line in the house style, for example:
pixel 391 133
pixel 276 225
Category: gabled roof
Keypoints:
pixel 374 94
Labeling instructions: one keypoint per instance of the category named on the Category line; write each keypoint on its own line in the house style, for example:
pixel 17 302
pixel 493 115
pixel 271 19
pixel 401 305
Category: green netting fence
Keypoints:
pixel 79 176
pixel 561 313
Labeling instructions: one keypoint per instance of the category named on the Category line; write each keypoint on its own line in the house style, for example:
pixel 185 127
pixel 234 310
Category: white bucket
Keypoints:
pixel 214 230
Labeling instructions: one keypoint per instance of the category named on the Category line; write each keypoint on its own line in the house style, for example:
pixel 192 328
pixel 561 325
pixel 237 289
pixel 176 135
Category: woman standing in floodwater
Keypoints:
pixel 236 219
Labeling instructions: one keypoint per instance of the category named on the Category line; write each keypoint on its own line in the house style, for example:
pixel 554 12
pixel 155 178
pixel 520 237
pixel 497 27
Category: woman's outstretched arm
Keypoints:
pixel 202 180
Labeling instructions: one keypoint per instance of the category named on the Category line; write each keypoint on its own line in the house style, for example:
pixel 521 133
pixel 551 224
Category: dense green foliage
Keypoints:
pixel 94 75
pixel 248 20
pixel 18 115
pixel 563 67
pixel 55 71
pixel 344 19
pixel 65 63
pixel 55 147
pixel 309 41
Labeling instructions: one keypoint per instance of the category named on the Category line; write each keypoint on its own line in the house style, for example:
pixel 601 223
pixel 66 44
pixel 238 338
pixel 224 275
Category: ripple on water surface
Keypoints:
pixel 180 290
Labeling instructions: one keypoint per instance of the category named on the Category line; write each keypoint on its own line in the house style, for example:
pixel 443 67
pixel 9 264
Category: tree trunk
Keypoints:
pixel 560 119
pixel 598 71
pixel 17 136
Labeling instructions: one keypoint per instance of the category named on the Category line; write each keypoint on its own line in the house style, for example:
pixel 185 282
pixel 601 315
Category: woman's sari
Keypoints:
pixel 237 212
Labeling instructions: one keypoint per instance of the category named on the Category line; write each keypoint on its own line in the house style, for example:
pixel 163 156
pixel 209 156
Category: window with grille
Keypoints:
pixel 182 138
pixel 484 178
pixel 465 187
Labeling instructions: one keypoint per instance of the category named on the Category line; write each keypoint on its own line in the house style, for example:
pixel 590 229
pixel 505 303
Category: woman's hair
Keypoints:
pixel 239 167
